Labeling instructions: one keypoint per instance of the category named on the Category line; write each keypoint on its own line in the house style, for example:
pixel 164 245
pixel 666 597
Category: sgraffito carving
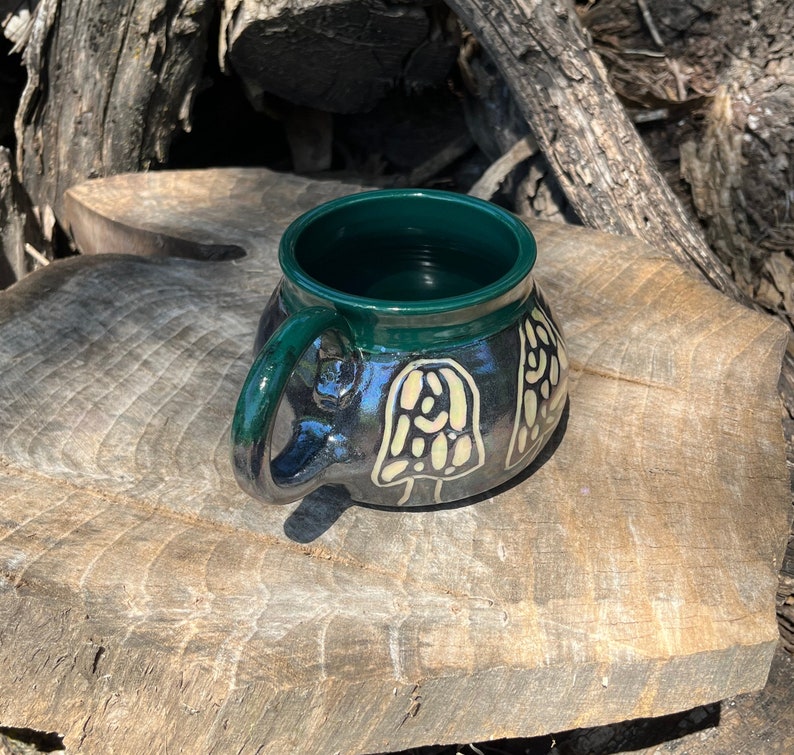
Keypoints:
pixel 542 386
pixel 432 426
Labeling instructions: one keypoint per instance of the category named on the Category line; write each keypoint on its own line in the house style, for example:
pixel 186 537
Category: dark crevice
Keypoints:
pixel 226 129
pixel 12 82
pixel 43 741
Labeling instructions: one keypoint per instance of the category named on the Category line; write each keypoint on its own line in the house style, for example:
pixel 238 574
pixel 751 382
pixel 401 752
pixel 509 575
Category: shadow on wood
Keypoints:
pixel 146 600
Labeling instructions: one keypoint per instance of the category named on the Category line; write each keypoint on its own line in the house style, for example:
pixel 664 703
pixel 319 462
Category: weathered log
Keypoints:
pixel 596 154
pixel 108 84
pixel 13 266
pixel 114 105
pixel 739 168
pixel 736 160
pixel 149 603
pixel 24 238
pixel 335 55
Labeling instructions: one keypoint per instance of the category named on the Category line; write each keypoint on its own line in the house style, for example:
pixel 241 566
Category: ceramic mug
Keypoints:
pixel 410 350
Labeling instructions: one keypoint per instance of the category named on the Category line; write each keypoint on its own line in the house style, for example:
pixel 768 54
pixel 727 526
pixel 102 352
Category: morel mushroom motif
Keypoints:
pixel 432 427
pixel 542 386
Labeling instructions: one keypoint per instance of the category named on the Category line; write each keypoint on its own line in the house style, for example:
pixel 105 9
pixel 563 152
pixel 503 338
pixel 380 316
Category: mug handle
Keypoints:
pixel 257 406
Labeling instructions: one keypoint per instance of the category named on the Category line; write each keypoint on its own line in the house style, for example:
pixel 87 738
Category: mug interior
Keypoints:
pixel 408 246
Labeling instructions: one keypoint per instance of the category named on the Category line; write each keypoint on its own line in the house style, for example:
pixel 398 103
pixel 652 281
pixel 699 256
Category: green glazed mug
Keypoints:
pixel 407 355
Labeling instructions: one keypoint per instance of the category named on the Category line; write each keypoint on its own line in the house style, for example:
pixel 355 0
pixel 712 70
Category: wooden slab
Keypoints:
pixel 147 603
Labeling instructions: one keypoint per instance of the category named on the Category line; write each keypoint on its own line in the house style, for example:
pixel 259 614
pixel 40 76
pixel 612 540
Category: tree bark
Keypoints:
pixel 596 154
pixel 108 85
pixel 12 224
pixel 740 169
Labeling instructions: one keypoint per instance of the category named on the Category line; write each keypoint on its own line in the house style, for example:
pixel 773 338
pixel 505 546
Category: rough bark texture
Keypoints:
pixel 142 586
pixel 12 224
pixel 335 55
pixel 497 126
pixel 142 64
pixel 108 84
pixel 741 170
pixel 597 156
pixel 717 99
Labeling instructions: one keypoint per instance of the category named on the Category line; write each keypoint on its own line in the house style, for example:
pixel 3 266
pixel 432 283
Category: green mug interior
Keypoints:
pixel 412 247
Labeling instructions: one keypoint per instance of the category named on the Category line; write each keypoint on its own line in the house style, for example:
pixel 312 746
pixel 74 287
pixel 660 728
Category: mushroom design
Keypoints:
pixel 542 386
pixel 432 427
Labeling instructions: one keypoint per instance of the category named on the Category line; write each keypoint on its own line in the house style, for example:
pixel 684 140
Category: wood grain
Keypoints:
pixel 148 603
pixel 336 55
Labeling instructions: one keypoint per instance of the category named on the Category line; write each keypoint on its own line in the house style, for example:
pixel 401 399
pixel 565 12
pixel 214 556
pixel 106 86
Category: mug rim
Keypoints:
pixel 526 254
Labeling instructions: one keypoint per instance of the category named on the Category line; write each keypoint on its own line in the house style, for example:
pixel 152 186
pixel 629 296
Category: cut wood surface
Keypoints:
pixel 336 55
pixel 147 603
